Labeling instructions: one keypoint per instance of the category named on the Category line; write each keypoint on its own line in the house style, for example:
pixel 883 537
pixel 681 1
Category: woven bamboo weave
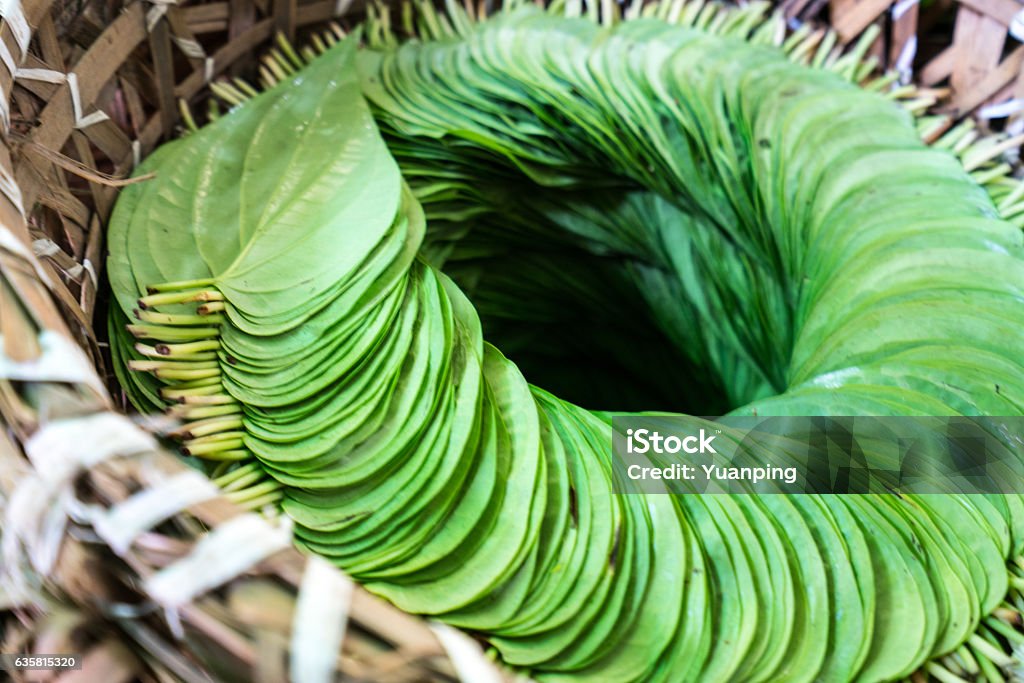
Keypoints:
pixel 973 47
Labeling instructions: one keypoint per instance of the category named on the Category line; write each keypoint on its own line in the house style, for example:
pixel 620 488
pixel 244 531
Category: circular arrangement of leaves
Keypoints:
pixel 664 214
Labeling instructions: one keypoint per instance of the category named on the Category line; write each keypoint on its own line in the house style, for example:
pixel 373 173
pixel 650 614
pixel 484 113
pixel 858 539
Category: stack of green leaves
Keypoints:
pixel 789 243
pixel 250 231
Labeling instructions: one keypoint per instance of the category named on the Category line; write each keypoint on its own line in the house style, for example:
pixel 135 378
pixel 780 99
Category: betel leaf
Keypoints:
pixel 263 201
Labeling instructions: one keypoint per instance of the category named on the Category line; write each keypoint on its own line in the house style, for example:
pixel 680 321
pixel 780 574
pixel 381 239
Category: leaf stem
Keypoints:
pixel 180 285
pixel 175 334
pixel 188 412
pixel 176 318
pixel 179 297
pixel 216 450
pixel 212 425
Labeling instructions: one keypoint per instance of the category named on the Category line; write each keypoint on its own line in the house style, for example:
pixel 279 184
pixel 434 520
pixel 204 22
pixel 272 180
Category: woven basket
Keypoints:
pixel 970 48
pixel 112 548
